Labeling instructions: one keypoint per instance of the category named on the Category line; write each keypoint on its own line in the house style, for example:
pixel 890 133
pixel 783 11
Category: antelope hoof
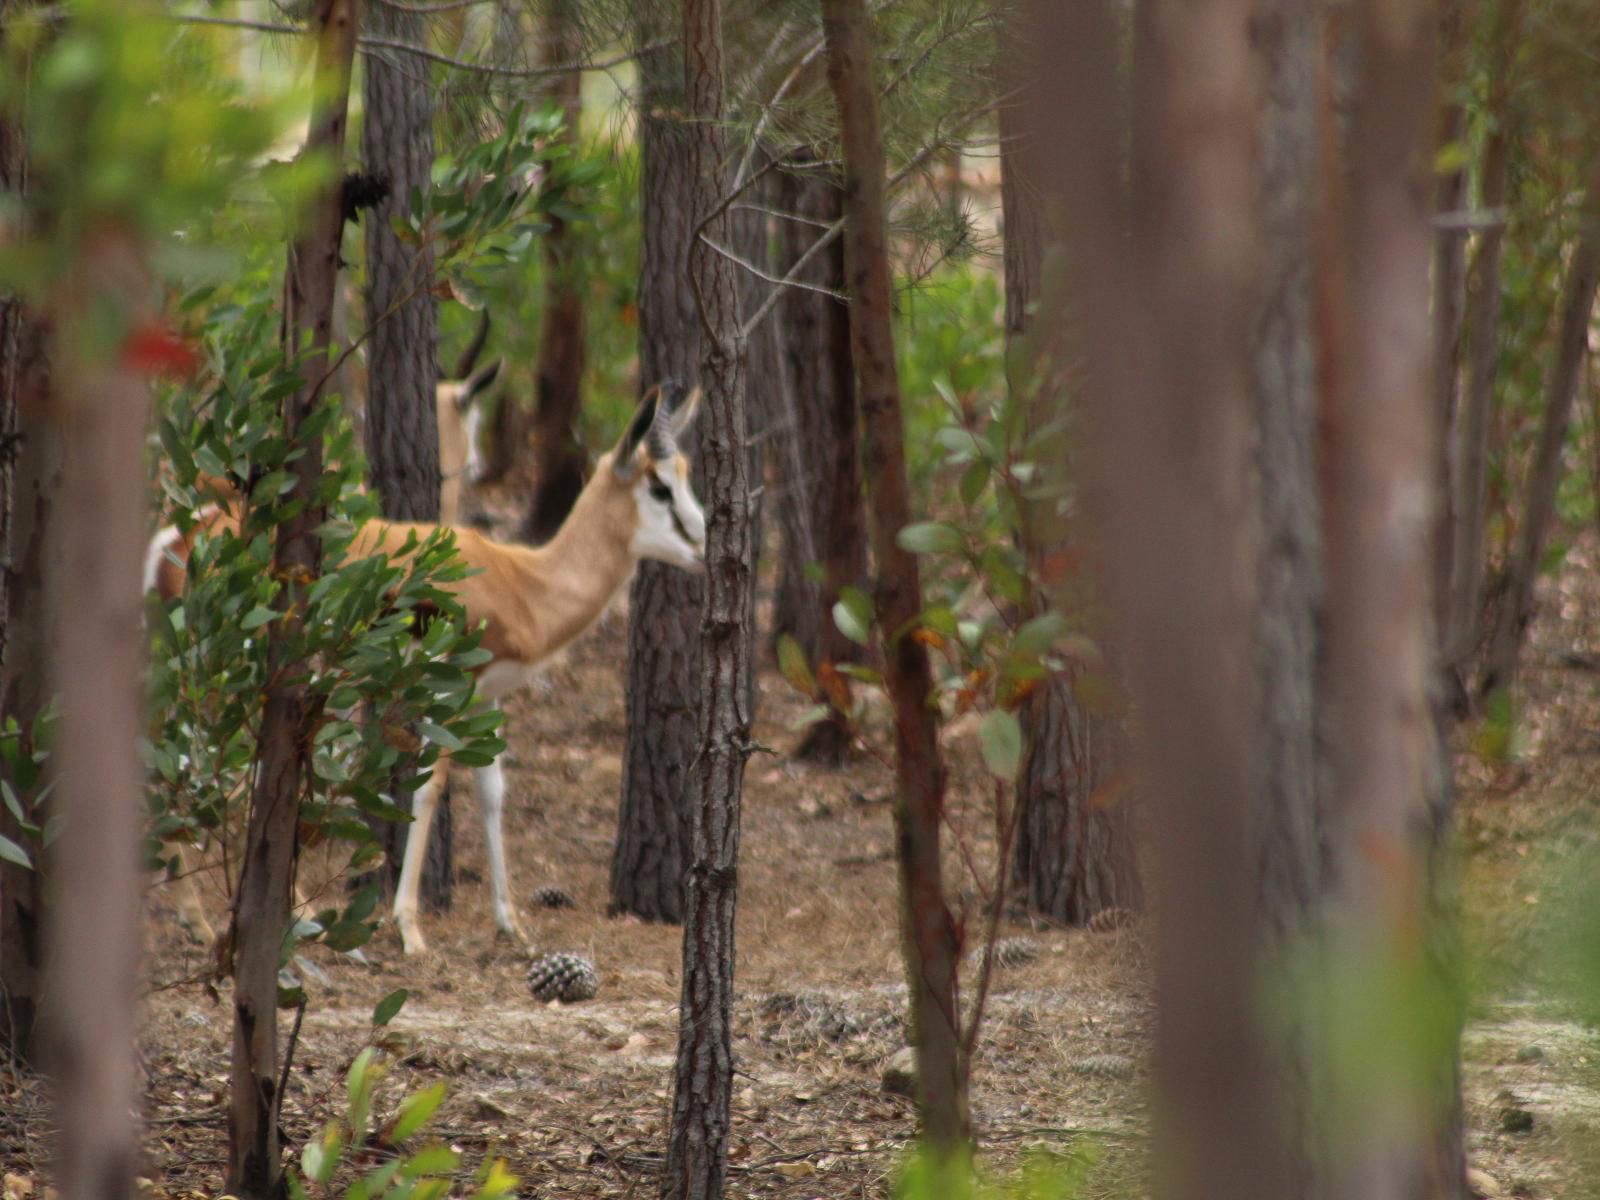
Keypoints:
pixel 411 940
pixel 509 926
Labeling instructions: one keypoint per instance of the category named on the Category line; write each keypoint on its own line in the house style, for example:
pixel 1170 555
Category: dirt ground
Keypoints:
pixel 575 1097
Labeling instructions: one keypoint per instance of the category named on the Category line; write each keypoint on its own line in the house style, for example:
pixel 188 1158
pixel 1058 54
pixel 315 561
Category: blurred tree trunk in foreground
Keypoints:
pixel 255 1166
pixel 1159 323
pixel 1397 1115
pixel 92 934
pixel 402 425
pixel 931 945
pixel 559 457
pixel 664 603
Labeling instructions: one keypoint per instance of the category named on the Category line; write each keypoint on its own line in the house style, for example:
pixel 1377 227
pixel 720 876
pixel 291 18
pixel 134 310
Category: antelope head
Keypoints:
pixel 648 460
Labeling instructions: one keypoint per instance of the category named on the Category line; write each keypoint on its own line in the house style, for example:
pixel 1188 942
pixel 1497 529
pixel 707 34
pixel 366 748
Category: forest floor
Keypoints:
pixel 575 1097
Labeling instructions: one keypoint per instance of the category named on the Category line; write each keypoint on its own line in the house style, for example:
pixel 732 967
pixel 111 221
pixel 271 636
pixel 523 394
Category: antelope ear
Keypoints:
pixel 684 413
pixel 480 381
pixel 623 463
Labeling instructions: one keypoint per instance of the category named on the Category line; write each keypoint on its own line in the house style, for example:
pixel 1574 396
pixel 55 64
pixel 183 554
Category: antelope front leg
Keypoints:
pixel 489 782
pixel 423 805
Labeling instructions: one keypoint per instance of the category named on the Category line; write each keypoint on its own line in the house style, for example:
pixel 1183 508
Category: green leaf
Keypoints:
pixel 257 617
pixel 810 715
pixel 931 537
pixel 853 615
pixel 415 1112
pixel 792 664
pixel 433 1160
pixel 1038 635
pixel 389 1006
pixel 1001 738
pixel 973 480
pixel 14 853
pixel 440 736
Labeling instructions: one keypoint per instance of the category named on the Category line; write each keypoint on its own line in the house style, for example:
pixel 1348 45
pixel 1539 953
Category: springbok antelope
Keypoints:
pixel 456 404
pixel 532 602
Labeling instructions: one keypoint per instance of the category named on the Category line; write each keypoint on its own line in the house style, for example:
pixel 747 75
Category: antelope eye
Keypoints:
pixel 660 490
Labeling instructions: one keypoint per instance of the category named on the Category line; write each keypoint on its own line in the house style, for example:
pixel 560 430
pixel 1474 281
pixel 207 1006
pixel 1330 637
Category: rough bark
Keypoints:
pixel 1514 611
pixel 558 373
pixel 402 425
pixel 255 1168
pixel 664 603
pixel 931 943
pixel 30 484
pixel 819 451
pixel 1470 451
pixel 1160 323
pixel 1382 441
pixel 94 565
pixel 697 1141
pixel 1286 791
pixel 1075 853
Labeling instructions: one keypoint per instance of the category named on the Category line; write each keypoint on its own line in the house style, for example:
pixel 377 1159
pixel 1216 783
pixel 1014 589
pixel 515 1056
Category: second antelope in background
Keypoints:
pixel 460 420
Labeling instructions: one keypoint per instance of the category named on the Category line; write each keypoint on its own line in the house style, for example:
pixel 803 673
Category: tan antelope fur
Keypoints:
pixel 532 601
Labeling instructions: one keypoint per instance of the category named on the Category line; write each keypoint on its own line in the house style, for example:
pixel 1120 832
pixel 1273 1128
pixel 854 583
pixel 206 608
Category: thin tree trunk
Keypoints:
pixel 819 461
pixel 664 603
pixel 1471 448
pixel 558 373
pixel 1515 608
pixel 30 485
pixel 697 1142
pixel 1286 795
pixel 930 941
pixel 1161 323
pixel 402 425
pixel 92 917
pixel 1449 300
pixel 1382 440
pixel 255 1167
pixel 1075 852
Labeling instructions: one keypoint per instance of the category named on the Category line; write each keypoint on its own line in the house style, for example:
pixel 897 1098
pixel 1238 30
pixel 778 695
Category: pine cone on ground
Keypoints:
pixel 1010 952
pixel 564 977
pixel 550 896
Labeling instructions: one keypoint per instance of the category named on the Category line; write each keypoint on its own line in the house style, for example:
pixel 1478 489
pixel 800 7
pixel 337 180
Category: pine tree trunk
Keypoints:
pixel 819 451
pixel 664 603
pixel 255 1167
pixel 1158 316
pixel 402 425
pixel 1471 450
pixel 1075 854
pixel 697 1142
pixel 558 374
pixel 1515 609
pixel 1288 815
pixel 30 485
pixel 930 941
pixel 1386 800
pixel 92 934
